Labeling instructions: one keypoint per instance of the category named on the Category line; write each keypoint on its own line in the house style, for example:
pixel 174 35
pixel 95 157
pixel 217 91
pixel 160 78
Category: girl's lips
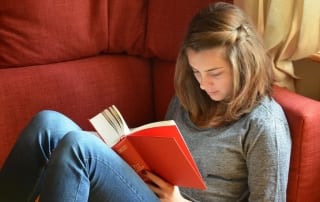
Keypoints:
pixel 212 93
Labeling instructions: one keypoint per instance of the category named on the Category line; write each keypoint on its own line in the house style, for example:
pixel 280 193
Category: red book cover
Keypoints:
pixel 165 152
pixel 127 151
pixel 158 147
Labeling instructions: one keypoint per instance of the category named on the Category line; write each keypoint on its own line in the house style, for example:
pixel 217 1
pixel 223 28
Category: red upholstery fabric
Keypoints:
pixel 162 87
pixel 79 56
pixel 167 25
pixel 76 90
pixel 41 32
pixel 127 23
pixel 303 115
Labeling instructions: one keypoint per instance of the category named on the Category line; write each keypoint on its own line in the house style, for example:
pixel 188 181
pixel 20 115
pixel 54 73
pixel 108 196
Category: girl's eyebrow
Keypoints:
pixel 208 70
pixel 213 69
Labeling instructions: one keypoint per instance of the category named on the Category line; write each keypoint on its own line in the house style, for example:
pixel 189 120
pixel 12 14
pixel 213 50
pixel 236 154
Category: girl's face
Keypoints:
pixel 213 72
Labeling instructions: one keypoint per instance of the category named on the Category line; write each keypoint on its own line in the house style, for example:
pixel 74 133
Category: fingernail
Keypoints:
pixel 144 172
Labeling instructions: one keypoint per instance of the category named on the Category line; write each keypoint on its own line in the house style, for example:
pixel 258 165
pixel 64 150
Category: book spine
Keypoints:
pixel 128 153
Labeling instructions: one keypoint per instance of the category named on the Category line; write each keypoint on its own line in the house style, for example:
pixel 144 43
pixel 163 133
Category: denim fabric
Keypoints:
pixel 54 157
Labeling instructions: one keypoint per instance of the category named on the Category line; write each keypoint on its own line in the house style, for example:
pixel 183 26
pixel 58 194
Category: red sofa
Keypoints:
pixel 80 56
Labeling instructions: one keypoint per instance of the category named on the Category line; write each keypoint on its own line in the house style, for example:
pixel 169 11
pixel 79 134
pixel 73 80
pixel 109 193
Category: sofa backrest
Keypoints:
pixel 42 32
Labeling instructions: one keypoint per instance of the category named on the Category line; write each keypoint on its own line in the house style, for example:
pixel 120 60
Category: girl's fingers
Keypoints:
pixel 156 190
pixel 156 180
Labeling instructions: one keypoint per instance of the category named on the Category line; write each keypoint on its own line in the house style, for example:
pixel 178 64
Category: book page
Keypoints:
pixel 118 116
pixel 153 125
pixel 105 130
pixel 110 125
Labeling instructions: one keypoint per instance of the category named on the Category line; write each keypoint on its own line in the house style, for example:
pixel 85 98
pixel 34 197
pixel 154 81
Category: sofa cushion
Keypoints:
pixel 40 32
pixel 79 89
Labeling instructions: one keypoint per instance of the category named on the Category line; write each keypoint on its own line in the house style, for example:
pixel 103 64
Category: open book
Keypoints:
pixel 158 147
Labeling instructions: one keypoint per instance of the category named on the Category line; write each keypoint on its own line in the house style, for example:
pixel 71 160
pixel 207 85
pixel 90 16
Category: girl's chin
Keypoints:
pixel 217 97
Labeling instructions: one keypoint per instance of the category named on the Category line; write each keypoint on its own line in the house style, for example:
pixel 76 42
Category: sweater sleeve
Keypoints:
pixel 267 151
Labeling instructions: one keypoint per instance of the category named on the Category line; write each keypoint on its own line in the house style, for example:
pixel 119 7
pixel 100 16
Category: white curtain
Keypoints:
pixel 290 30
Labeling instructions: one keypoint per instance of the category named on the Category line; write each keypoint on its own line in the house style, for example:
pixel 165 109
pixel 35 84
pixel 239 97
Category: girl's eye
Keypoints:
pixel 215 74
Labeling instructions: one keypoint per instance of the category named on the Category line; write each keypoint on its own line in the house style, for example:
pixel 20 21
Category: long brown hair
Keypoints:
pixel 224 25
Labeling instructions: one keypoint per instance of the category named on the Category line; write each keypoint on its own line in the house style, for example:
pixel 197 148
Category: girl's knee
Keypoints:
pixel 83 139
pixel 49 127
pixel 82 144
pixel 53 120
pixel 48 116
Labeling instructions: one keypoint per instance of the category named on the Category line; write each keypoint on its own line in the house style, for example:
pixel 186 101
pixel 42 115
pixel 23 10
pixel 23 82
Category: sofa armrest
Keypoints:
pixel 303 115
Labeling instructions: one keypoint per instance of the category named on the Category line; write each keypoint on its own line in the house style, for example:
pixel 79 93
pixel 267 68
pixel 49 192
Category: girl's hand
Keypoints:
pixel 164 190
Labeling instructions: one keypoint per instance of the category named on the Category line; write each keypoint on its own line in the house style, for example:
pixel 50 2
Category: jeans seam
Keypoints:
pixel 78 189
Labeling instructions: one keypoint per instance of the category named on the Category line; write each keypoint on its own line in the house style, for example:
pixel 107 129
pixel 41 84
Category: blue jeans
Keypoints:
pixel 57 159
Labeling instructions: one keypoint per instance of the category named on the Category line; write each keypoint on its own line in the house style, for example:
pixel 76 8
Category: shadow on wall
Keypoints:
pixel 309 73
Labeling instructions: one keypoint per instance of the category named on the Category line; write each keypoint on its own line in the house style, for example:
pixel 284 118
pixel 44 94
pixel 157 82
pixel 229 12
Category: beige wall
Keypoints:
pixel 309 73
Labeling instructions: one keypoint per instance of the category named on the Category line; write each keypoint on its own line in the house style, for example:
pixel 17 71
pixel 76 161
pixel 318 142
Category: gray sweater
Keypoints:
pixel 245 161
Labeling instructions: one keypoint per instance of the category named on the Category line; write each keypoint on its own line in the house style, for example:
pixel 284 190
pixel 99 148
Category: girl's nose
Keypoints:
pixel 204 82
